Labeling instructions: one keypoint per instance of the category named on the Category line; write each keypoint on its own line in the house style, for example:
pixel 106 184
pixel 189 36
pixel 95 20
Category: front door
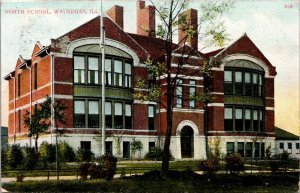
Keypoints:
pixel 187 142
pixel 126 149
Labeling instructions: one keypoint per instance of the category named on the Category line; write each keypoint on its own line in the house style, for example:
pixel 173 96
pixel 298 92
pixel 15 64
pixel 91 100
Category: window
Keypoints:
pixel 256 149
pixel 249 149
pixel 228 88
pixel 241 148
pixel 93 70
pixel 108 147
pixel 151 147
pixel 79 114
pixel 151 117
pixel 118 73
pixel 238 119
pixel 126 149
pixel 240 81
pixel 118 115
pixel 179 94
pixel 108 115
pixel 289 147
pixel 19 85
pixel 297 146
pixel 281 145
pixel 85 145
pixel 243 119
pixel 79 69
pixel 128 116
pixel 19 121
pixel 108 72
pixel 262 150
pixel 192 93
pixel 93 117
pixel 230 147
pixel 35 69
pixel 127 75
pixel 228 119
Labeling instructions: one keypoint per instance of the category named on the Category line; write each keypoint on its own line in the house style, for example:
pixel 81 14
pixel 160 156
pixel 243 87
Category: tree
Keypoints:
pixel 170 17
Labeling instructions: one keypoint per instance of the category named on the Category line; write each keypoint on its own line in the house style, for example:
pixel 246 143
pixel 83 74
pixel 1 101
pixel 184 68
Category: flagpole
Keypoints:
pixel 102 43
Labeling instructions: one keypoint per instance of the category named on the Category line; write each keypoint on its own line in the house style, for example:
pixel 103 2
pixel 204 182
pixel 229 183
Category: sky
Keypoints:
pixel 272 25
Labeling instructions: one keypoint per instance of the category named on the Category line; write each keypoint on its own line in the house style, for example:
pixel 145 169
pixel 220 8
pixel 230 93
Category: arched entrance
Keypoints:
pixel 187 142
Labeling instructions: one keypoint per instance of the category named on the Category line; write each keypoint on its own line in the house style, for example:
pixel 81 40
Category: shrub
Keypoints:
pixel 85 155
pixel 284 155
pixel 209 166
pixel 30 158
pixel 66 153
pixel 234 163
pixel 47 152
pixel 109 165
pixel 4 158
pixel 14 156
pixel 20 178
pixel 274 165
pixel 84 170
pixel 136 146
pixel 156 154
pixel 96 171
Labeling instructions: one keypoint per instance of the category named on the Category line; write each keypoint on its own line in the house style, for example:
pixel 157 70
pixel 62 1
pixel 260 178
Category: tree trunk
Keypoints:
pixel 36 145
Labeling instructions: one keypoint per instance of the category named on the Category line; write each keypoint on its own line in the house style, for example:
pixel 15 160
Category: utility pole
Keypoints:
pixel 102 43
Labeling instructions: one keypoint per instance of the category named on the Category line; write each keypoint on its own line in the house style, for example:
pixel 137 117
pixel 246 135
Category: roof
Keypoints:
pixel 281 134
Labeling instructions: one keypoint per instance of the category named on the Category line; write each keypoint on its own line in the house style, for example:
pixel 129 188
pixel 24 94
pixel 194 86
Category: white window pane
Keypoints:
pixel 93 63
pixel 238 76
pixel 118 66
pixel 127 110
pixel 254 78
pixel 247 77
pixel 108 65
pixel 179 91
pixel 247 114
pixel 78 62
pixel 179 82
pixel 192 103
pixel 128 68
pixel 260 79
pixel 228 113
pixel 255 115
pixel 79 107
pixel 118 109
pixel 192 82
pixel 82 76
pixel 76 76
pixel 228 76
pixel 107 108
pixel 94 107
pixel 192 91
pixel 150 111
pixel 96 78
pixel 260 115
pixel 239 113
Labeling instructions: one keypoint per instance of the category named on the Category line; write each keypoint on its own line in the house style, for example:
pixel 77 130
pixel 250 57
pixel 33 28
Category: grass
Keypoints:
pixel 177 182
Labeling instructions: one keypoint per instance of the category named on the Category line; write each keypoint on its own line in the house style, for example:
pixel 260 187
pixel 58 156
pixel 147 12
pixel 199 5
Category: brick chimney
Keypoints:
pixel 191 17
pixel 116 14
pixel 145 19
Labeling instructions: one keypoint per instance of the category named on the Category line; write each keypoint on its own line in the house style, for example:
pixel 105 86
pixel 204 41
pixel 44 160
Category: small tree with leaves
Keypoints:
pixel 170 18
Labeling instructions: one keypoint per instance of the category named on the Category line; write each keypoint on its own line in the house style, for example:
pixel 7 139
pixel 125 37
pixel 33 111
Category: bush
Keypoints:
pixel 274 165
pixel 96 171
pixel 109 165
pixel 20 178
pixel 156 154
pixel 209 166
pixel 4 158
pixel 85 155
pixel 66 153
pixel 47 152
pixel 234 163
pixel 14 156
pixel 30 158
pixel 84 170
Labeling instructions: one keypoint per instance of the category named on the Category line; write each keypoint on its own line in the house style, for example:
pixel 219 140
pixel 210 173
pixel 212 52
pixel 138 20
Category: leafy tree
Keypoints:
pixel 136 146
pixel 30 158
pixel 210 28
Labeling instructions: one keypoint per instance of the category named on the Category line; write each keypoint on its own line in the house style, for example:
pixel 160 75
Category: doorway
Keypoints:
pixel 187 142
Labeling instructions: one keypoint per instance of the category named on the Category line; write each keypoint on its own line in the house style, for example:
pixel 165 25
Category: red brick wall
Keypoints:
pixel 215 118
pixel 140 117
pixel 116 14
pixel 44 71
pixel 269 118
pixel 269 87
pixel 68 113
pixel 63 69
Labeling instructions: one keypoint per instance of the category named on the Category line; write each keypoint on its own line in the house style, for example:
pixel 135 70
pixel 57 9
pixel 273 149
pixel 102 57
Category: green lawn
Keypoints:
pixel 183 182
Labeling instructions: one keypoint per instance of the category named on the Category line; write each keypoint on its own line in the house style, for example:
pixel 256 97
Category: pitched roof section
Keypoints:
pixel 244 45
pixel 92 29
pixel 281 134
